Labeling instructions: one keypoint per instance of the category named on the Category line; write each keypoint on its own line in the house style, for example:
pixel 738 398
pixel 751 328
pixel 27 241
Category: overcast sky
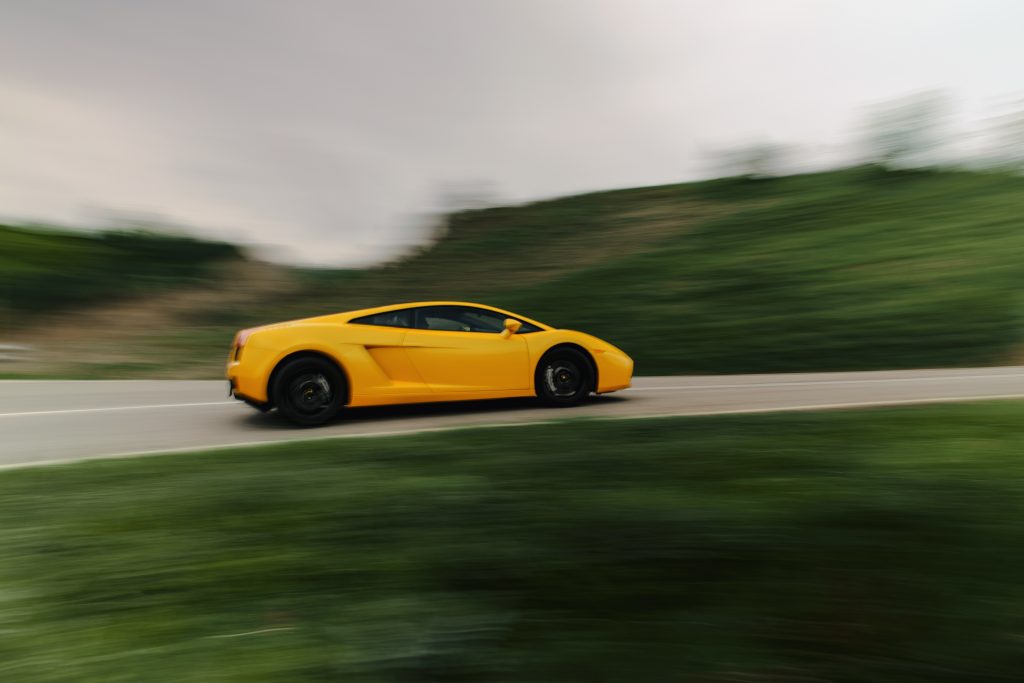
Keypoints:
pixel 330 129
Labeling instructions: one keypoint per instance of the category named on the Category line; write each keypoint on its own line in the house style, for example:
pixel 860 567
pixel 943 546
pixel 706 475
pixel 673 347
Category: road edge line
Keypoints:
pixel 493 425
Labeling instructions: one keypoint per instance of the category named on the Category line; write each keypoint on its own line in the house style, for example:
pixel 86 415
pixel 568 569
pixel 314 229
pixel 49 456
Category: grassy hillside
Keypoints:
pixel 881 546
pixel 833 272
pixel 852 269
pixel 43 270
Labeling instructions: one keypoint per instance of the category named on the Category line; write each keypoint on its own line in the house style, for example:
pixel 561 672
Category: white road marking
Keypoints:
pixel 114 408
pixel 275 442
pixel 881 403
pixel 679 387
pixel 15 380
pixel 496 425
pixel 819 382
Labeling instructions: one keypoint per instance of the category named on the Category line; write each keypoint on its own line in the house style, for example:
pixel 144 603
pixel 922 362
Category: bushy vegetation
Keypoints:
pixel 862 268
pixel 841 271
pixel 856 269
pixel 43 270
pixel 881 546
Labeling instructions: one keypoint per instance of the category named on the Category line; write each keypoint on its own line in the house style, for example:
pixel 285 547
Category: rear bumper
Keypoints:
pixel 234 393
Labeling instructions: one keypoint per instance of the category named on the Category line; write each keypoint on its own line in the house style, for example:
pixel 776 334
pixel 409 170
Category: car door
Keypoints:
pixel 461 349
pixel 383 366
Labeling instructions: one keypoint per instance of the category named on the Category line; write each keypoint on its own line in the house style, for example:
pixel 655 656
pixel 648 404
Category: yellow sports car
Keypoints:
pixel 417 352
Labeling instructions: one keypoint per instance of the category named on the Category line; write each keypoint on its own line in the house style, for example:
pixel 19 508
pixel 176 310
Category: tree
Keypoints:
pixel 1006 149
pixel 908 132
pixel 765 160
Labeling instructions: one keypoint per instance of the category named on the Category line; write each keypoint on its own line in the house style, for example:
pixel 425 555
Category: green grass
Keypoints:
pixel 881 545
pixel 852 269
pixel 43 270
pixel 842 271
pixel 845 270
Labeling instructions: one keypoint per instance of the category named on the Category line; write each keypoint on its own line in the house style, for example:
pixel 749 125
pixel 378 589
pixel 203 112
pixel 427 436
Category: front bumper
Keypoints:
pixel 614 371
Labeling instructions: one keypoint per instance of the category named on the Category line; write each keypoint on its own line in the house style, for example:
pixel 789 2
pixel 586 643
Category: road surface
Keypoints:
pixel 45 421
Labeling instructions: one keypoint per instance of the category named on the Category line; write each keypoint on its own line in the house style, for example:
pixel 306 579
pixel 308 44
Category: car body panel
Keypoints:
pixel 469 361
pixel 391 365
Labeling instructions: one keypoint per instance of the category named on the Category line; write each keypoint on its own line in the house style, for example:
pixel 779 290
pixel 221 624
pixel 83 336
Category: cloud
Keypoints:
pixel 329 127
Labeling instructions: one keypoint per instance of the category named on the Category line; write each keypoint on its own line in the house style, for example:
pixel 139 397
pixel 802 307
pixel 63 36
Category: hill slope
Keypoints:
pixel 44 270
pixel 851 269
pixel 835 272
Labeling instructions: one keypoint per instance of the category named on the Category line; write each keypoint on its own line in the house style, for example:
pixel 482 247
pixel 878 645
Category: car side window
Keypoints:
pixel 459 319
pixel 387 319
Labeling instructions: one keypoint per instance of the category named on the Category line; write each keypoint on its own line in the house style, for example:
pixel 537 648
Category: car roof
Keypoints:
pixel 349 315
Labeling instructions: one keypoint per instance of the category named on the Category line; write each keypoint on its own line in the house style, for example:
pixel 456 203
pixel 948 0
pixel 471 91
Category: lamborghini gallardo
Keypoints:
pixel 310 369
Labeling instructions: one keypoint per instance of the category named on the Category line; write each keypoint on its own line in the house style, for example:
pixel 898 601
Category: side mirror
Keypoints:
pixel 511 327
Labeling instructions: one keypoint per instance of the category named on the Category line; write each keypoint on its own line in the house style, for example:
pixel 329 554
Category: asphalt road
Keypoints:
pixel 58 421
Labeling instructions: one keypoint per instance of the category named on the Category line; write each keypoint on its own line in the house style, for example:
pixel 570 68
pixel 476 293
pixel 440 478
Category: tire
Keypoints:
pixel 564 377
pixel 309 391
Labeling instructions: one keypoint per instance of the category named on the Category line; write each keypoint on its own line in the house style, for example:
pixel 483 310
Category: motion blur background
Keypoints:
pixel 207 154
pixel 735 186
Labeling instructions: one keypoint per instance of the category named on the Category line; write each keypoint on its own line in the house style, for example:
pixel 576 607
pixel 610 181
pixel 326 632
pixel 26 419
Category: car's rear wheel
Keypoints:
pixel 564 377
pixel 309 391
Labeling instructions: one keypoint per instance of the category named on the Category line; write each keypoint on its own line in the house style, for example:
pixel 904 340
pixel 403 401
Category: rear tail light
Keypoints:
pixel 242 337
pixel 239 344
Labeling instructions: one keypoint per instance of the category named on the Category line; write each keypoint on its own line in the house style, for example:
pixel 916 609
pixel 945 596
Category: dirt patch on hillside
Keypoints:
pixel 136 337
pixel 535 262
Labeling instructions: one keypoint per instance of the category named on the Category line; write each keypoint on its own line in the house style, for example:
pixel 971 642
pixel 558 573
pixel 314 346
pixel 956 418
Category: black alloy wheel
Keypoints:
pixel 309 391
pixel 564 378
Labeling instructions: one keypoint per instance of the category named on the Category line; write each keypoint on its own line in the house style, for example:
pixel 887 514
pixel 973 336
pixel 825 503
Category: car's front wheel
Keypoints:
pixel 564 377
pixel 309 391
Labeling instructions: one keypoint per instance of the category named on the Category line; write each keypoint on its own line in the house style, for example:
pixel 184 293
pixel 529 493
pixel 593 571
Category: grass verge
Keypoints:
pixel 880 545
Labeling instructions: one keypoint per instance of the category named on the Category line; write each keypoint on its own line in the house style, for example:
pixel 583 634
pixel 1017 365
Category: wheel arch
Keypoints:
pixel 575 347
pixel 307 353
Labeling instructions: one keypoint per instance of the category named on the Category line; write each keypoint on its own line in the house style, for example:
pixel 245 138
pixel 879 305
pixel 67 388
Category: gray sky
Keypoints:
pixel 332 128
